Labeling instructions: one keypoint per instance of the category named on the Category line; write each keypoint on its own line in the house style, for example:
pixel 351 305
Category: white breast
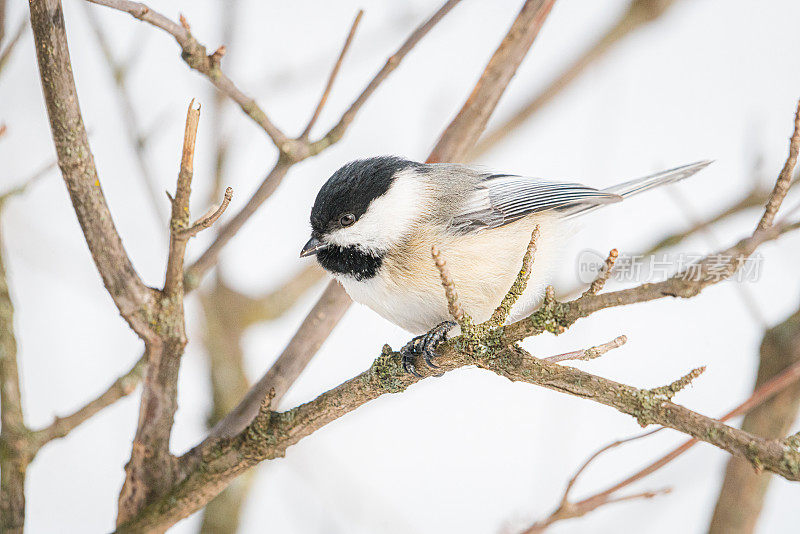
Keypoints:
pixel 408 292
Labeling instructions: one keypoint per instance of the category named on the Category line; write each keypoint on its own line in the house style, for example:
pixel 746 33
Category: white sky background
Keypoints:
pixel 469 452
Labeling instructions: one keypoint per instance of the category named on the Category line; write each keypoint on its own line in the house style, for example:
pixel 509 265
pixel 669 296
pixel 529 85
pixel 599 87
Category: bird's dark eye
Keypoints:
pixel 347 219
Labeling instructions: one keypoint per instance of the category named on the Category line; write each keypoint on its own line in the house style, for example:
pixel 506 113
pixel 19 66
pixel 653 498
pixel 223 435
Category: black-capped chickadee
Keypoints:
pixel 375 220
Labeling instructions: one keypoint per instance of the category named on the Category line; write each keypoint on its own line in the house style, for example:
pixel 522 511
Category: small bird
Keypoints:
pixel 375 220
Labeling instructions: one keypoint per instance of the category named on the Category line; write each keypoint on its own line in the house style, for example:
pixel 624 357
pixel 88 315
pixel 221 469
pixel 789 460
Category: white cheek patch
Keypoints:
pixel 388 218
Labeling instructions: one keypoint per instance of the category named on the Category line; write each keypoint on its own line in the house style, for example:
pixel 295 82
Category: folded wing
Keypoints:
pixel 500 199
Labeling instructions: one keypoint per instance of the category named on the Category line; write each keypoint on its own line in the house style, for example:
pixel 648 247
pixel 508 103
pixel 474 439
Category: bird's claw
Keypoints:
pixel 425 345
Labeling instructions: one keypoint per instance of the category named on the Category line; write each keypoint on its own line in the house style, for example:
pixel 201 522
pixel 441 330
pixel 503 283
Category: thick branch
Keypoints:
pixel 152 469
pixel 271 433
pixel 75 159
pixel 321 320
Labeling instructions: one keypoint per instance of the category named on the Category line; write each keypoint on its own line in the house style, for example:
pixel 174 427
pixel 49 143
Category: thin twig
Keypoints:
pixel 210 256
pixel 603 276
pixel 133 130
pixel 769 389
pixel 27 182
pixel 119 389
pixel 338 130
pixel 5 54
pixel 195 55
pixel 502 312
pixel 453 304
pixel 597 454
pixel 590 353
pixel 332 77
pixel 756 198
pixel 784 179
pixel 180 220
pixel 208 220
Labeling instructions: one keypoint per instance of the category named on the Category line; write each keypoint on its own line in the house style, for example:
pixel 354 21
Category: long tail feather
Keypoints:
pixel 634 187
pixel 639 185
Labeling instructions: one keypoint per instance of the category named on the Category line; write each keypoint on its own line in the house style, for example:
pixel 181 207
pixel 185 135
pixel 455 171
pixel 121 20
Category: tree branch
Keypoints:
pixel 463 132
pixel 741 497
pixel 152 469
pixel 15 455
pixel 212 465
pixel 332 77
pixel 785 177
pixel 5 53
pixel 210 257
pixel 313 331
pixel 136 136
pixel 196 56
pixel 319 323
pixel 75 159
pixel 271 433
pixel 639 14
pixel 62 426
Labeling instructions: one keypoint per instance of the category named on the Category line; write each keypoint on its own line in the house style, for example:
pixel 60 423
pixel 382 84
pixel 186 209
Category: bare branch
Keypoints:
pixel 5 53
pixel 196 56
pixel 590 353
pixel 133 129
pixel 61 426
pixel 788 378
pixel 14 452
pixel 784 179
pixel 741 497
pixel 337 131
pixel 271 433
pixel 180 221
pixel 639 14
pixel 209 258
pixel 332 77
pixel 500 315
pixel 314 330
pixel 453 304
pixel 463 132
pixel 77 167
pixel 604 275
pixel 26 183
pixel 208 220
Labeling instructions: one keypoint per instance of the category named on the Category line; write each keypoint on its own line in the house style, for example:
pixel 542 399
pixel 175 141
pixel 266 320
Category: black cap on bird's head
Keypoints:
pixel 347 194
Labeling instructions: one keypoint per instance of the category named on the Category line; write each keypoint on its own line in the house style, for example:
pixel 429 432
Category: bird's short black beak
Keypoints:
pixel 313 246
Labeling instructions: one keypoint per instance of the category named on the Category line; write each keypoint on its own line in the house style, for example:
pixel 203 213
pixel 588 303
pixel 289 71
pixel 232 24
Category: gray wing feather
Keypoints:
pixel 500 199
